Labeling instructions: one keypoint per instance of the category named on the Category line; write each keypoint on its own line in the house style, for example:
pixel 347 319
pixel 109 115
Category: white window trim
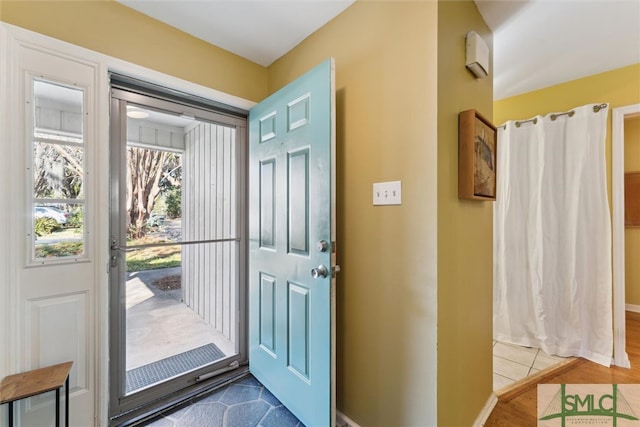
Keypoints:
pixel 87 159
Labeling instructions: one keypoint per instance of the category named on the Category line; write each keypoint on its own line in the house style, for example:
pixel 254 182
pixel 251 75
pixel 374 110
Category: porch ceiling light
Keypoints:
pixel 136 113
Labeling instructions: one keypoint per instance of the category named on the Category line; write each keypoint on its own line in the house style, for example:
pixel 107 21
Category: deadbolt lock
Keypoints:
pixel 322 246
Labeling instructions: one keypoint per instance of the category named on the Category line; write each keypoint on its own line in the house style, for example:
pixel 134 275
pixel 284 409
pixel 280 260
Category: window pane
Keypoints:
pixel 57 171
pixel 58 109
pixel 154 193
pixel 58 230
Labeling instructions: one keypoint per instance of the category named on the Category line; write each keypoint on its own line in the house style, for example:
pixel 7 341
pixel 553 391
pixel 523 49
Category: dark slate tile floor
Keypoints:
pixel 245 403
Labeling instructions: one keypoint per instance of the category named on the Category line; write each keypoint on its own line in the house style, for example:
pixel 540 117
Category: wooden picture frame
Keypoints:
pixel 477 155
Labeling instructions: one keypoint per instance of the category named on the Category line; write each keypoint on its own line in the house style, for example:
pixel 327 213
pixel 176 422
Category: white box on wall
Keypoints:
pixel 477 55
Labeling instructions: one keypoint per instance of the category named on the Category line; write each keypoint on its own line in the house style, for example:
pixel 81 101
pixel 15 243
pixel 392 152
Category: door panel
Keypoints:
pixel 267 196
pixel 299 202
pixel 291 181
pixel 54 286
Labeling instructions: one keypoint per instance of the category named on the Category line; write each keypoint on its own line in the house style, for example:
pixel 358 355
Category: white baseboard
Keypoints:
pixel 486 411
pixel 343 421
pixel 632 307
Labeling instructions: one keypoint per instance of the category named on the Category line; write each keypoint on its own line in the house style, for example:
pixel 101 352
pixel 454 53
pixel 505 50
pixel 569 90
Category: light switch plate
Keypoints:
pixel 387 193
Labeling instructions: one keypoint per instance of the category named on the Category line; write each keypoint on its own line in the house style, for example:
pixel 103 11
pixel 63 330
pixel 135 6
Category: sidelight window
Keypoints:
pixel 57 172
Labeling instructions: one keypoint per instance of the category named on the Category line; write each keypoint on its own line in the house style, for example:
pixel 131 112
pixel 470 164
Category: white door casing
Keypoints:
pixel 620 356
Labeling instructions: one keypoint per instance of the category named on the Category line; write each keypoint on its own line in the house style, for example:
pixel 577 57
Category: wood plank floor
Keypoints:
pixel 521 409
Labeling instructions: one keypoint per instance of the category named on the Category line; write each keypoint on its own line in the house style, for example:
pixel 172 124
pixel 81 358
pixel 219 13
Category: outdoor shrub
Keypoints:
pixel 75 219
pixel 44 226
pixel 160 206
pixel 174 203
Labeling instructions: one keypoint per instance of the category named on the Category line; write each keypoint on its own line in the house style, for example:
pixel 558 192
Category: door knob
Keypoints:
pixel 319 271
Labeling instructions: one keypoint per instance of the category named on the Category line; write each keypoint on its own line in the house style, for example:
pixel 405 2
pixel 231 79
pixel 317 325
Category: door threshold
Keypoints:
pixel 173 401
pixel 519 387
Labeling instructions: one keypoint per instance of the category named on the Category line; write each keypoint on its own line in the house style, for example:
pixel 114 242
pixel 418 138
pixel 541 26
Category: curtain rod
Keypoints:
pixel 596 108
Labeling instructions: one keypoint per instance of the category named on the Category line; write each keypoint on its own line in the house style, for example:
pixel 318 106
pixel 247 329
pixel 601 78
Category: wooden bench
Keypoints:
pixel 38 381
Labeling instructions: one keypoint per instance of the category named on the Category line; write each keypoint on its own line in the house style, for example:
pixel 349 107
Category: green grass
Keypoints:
pixel 145 259
pixel 70 244
pixel 143 262
pixel 60 249
pixel 153 258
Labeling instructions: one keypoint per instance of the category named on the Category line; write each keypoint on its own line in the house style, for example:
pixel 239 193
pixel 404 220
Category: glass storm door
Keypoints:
pixel 292 245
pixel 176 247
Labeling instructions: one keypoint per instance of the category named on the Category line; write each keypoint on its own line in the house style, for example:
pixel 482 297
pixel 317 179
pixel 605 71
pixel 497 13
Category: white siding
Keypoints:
pixel 209 213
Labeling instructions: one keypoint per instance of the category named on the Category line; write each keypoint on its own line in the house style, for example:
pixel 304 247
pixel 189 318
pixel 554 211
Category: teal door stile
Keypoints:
pixel 291 245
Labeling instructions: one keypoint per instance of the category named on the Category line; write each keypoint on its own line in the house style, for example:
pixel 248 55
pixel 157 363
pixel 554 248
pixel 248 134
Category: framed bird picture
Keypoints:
pixel 477 149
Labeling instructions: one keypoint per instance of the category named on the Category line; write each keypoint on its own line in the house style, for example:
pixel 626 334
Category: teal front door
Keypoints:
pixel 292 245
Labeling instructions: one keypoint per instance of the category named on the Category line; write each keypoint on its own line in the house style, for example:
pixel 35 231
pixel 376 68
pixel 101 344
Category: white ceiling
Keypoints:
pixel 259 30
pixel 537 43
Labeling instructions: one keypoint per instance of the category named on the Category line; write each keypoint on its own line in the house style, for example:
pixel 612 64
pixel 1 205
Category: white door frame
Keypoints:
pixel 9 35
pixel 620 357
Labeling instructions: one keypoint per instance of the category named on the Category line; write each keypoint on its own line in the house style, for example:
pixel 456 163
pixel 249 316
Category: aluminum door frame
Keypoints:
pixel 121 406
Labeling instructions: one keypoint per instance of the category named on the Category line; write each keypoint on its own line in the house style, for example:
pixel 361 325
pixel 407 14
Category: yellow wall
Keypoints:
pixel 618 87
pixel 385 54
pixel 465 232
pixel 632 235
pixel 116 30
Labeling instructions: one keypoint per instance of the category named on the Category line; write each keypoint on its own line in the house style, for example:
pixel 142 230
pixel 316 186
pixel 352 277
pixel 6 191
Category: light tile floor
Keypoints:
pixel 512 363
pixel 243 403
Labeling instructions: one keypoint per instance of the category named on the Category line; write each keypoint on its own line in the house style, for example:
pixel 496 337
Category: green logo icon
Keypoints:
pixel 565 405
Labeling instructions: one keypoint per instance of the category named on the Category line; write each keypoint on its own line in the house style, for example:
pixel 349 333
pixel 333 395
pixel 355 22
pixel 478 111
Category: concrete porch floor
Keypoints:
pixel 160 325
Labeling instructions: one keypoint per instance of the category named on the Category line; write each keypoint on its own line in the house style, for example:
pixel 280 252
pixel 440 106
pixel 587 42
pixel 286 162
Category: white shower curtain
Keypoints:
pixel 552 236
